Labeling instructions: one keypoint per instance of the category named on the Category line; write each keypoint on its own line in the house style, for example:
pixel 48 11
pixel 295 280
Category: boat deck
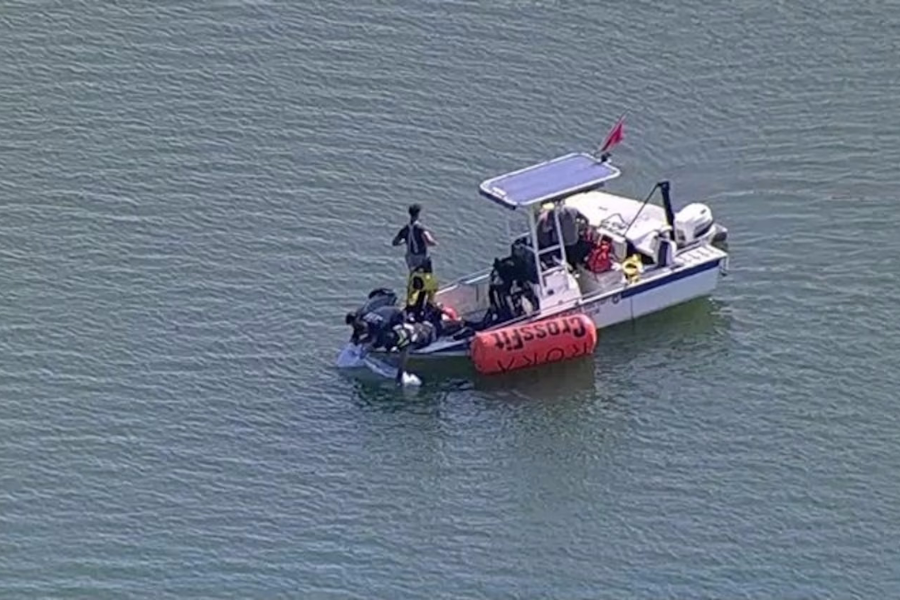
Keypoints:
pixel 687 262
pixel 700 254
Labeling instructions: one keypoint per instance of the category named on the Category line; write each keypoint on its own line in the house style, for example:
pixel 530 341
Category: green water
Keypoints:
pixel 193 197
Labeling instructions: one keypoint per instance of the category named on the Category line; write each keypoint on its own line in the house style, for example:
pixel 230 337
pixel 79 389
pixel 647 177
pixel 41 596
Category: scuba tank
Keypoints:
pixel 377 298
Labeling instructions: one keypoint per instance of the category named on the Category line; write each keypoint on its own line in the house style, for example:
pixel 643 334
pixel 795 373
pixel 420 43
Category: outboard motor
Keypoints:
pixel 692 223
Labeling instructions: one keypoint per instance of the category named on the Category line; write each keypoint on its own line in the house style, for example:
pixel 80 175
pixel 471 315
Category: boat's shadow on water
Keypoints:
pixel 553 382
pixel 702 321
pixel 697 321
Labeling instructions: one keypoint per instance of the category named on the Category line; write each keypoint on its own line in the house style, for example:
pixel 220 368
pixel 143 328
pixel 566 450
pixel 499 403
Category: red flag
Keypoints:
pixel 616 135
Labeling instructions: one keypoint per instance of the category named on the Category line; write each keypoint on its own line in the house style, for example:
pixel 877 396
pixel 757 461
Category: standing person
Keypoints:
pixel 569 219
pixel 418 239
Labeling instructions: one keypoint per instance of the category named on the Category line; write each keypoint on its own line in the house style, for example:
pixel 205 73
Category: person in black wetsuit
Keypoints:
pixel 418 239
pixel 386 328
pixel 369 325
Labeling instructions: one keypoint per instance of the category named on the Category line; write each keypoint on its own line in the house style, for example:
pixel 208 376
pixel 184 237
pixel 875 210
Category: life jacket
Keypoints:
pixel 598 261
pixel 420 289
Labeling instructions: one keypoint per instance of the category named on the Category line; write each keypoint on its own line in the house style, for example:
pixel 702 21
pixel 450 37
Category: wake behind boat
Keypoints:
pixel 586 254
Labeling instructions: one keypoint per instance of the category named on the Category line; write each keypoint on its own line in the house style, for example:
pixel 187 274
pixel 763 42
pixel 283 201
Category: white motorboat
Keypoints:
pixel 637 257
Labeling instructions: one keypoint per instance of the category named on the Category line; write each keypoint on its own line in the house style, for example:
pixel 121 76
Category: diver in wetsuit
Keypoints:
pixel 369 325
pixel 387 328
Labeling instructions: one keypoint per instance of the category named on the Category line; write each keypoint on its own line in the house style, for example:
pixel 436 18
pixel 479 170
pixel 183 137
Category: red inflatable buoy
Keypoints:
pixel 532 344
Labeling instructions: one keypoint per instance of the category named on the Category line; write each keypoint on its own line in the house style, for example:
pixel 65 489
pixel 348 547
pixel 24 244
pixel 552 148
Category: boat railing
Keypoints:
pixel 470 279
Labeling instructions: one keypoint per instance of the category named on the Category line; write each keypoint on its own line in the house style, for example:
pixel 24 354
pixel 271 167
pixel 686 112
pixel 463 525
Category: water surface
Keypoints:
pixel 193 196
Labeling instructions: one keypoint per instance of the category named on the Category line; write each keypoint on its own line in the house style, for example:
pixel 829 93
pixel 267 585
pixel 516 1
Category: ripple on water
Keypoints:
pixel 194 195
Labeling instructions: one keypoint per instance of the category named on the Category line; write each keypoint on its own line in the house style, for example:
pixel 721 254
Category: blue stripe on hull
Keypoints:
pixel 639 288
pixel 628 292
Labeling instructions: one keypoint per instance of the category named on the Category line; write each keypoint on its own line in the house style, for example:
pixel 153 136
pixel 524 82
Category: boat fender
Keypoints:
pixel 532 344
pixel 448 313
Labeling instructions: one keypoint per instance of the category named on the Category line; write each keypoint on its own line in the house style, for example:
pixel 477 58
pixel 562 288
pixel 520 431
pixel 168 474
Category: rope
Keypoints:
pixel 643 204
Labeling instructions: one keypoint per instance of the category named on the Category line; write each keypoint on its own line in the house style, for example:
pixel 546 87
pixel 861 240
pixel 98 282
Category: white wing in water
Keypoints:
pixel 352 357
pixel 411 379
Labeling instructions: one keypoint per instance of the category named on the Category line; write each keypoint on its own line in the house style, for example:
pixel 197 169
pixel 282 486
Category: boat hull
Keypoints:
pixel 630 302
pixel 662 292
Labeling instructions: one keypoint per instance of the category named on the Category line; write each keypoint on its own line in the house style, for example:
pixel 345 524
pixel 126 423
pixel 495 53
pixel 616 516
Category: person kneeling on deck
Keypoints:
pixel 418 239
pixel 421 305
